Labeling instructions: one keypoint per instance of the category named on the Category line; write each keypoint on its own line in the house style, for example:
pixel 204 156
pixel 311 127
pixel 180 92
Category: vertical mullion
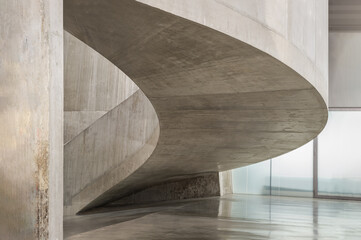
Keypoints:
pixel 315 167
pixel 270 178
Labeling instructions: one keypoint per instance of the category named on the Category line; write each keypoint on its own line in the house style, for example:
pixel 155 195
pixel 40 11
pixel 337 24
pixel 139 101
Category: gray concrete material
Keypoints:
pixel 225 182
pixel 76 122
pixel 108 151
pixel 221 103
pixel 31 113
pixel 294 32
pixel 112 177
pixel 103 107
pixel 345 71
pixel 345 15
pixel 322 46
pixel 91 82
pixel 93 86
pixel 230 217
pixel 204 185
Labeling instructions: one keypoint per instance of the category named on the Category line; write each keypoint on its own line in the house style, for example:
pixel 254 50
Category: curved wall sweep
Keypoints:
pixel 110 126
pixel 93 86
pixel 294 32
pixel 221 103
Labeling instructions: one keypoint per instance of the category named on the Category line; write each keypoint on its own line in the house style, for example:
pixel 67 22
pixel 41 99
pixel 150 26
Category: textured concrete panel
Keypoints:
pixel 221 103
pixel 31 114
pixel 108 151
pixel 76 122
pixel 293 31
pixel 93 86
pixel 206 185
pixel 110 128
pixel 91 82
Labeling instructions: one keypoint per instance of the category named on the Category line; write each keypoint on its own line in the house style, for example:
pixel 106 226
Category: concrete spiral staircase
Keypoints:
pixel 213 96
pixel 110 126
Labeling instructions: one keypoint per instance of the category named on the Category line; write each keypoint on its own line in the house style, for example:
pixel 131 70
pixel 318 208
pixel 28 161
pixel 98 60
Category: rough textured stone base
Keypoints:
pixel 206 185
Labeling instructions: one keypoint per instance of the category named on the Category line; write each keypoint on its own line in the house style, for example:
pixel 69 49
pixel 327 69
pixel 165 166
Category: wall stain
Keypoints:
pixel 42 187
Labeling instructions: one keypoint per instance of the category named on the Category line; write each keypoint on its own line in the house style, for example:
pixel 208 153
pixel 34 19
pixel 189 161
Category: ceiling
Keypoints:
pixel 345 15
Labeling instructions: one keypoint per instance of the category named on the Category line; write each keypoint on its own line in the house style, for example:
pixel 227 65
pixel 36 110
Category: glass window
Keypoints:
pixel 253 179
pixel 339 155
pixel 292 173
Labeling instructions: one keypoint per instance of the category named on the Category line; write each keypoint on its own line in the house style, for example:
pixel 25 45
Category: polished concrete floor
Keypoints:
pixel 226 218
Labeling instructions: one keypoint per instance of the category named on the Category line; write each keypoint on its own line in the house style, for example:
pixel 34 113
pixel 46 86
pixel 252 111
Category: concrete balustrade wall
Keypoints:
pixel 31 116
pixel 93 86
pixel 111 128
pixel 293 31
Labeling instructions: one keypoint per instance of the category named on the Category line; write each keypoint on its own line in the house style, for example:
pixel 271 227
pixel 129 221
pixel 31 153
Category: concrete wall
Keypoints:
pixel 93 86
pixel 293 31
pixel 108 151
pixel 101 105
pixel 205 185
pixel 110 126
pixel 31 114
pixel 345 71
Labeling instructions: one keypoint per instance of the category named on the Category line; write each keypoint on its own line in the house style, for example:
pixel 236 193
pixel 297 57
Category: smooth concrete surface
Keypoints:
pixel 108 151
pixel 345 71
pixel 76 122
pixel 221 103
pixel 31 116
pixel 110 128
pixel 92 86
pixel 293 31
pixel 91 82
pixel 224 218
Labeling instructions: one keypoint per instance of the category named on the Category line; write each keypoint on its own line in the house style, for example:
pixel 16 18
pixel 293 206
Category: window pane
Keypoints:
pixel 339 159
pixel 253 179
pixel 292 173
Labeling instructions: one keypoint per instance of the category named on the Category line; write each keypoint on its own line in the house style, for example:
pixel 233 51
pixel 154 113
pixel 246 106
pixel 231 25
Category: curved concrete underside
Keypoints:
pixel 221 103
pixel 292 31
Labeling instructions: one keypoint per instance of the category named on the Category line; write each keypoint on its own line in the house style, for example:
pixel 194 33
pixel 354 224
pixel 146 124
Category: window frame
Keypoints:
pixel 315 164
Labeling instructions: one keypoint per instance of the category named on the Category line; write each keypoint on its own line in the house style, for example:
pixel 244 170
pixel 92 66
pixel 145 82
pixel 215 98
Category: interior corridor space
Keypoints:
pixel 176 120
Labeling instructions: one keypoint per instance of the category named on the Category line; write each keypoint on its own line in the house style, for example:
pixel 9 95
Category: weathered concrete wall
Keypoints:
pixel 293 31
pixel 205 185
pixel 31 114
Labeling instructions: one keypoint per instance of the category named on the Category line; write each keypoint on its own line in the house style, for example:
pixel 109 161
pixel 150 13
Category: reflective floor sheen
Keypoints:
pixel 229 217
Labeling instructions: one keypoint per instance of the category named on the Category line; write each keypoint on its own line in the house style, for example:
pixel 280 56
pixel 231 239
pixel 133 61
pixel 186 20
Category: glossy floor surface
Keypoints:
pixel 229 217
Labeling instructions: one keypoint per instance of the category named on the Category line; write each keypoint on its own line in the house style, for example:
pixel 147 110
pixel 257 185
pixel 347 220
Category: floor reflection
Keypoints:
pixel 226 218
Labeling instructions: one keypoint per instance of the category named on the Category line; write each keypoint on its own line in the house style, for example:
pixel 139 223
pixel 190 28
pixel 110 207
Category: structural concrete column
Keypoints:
pixel 31 119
